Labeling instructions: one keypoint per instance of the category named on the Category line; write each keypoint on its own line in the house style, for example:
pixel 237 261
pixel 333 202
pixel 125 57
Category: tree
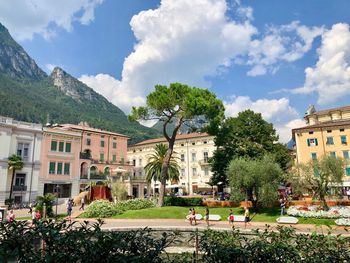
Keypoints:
pixel 249 136
pixel 318 175
pixel 119 191
pixel 153 168
pixel 180 104
pixel 255 180
pixel 14 163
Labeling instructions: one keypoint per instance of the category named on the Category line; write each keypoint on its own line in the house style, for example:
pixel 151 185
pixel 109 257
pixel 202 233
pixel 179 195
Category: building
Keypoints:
pixel 60 156
pixel 24 139
pixel 193 151
pixel 326 132
pixel 101 154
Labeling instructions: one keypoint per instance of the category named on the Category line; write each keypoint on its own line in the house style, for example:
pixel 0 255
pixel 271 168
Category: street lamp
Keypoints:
pixel 21 186
pixel 57 187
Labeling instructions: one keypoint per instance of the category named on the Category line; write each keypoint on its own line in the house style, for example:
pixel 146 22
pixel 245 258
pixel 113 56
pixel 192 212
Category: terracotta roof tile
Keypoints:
pixel 324 112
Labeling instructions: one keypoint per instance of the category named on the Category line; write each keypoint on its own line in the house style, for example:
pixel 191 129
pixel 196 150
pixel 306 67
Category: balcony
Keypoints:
pixel 19 188
pixel 98 177
pixel 204 162
pixel 85 155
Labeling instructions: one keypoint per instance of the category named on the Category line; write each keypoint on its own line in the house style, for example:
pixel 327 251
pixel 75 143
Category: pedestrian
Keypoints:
pixel 207 215
pixel 194 216
pixel 348 193
pixel 231 218
pixel 282 205
pixel 30 209
pixel 37 215
pixel 10 216
pixel 33 217
pixel 189 216
pixel 246 217
pixel 82 201
pixel 69 209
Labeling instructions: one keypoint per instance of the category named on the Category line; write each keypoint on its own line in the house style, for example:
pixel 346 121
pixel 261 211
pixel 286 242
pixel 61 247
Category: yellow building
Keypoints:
pixel 326 132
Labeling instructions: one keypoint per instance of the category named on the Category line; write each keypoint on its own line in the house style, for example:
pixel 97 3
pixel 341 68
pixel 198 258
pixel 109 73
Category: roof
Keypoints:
pixel 178 137
pixel 87 128
pixel 326 124
pixel 324 112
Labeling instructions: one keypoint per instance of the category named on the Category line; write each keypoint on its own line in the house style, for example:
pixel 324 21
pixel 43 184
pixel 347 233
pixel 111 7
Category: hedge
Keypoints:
pixel 183 201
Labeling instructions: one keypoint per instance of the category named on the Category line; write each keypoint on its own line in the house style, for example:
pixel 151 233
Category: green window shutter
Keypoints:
pixel 102 143
pixel 308 142
pixel 54 146
pixel 316 172
pixel 114 145
pixel 346 154
pixel 114 158
pixel 59 168
pixel 61 146
pixel 102 157
pixel 66 168
pixel 314 156
pixel 347 171
pixel 68 147
pixel 332 154
pixel 52 168
pixel 316 142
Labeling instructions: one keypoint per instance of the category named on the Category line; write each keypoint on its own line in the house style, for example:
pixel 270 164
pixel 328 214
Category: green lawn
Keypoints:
pixel 178 212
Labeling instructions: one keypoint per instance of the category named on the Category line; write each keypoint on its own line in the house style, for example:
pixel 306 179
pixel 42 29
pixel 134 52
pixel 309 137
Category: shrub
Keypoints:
pixel 134 204
pixel 180 201
pixel 102 209
pixel 48 201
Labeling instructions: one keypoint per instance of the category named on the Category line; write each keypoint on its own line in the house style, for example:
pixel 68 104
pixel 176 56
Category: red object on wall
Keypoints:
pixel 99 192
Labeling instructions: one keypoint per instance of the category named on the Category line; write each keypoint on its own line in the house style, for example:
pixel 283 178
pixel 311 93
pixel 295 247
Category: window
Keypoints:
pixel 341 130
pixel 102 157
pixel 52 168
pixel 329 131
pixel 20 179
pixel 66 168
pixel 314 156
pixel 114 138
pixel 332 154
pixel 182 144
pixel 312 142
pixel 88 134
pixel 60 146
pixel 102 143
pixel 346 154
pixel 194 171
pixel 183 172
pixel 205 157
pixel 59 168
pixel 193 157
pixel 54 146
pixel 114 158
pixel 114 145
pixel 88 141
pixel 68 147
pixel 134 162
pixel 330 140
pixel 347 171
pixel 343 139
pixel 193 143
pixel 205 142
pixel 206 171
pixel 23 150
pixel 311 132
pixel 140 162
pixel 102 136
pixel 182 157
pixel 121 160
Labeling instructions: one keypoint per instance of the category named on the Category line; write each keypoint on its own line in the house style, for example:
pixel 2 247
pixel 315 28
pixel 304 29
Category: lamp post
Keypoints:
pixel 57 187
pixel 21 186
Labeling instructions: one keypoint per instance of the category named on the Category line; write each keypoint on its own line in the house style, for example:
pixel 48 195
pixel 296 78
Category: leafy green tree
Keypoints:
pixel 14 163
pixel 46 200
pixel 154 166
pixel 119 191
pixel 255 180
pixel 318 175
pixel 249 136
pixel 179 104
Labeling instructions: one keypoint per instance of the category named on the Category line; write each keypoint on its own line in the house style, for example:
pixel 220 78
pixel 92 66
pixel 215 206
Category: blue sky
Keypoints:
pixel 275 57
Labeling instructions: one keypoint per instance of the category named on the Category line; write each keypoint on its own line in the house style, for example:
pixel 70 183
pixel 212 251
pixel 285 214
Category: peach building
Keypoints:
pixel 326 132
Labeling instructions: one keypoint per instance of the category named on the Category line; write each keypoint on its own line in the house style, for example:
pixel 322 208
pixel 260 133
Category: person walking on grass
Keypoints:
pixel 246 217
pixel 207 216
pixel 231 218
pixel 82 201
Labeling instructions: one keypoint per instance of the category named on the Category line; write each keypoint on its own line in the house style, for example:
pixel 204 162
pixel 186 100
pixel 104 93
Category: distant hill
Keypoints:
pixel 28 94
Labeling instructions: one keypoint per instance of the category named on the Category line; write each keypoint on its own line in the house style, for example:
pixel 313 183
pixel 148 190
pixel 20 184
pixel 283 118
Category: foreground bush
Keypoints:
pixel 183 201
pixel 104 209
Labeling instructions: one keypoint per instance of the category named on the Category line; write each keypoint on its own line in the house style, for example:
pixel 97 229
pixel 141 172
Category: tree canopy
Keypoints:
pixel 249 136
pixel 179 104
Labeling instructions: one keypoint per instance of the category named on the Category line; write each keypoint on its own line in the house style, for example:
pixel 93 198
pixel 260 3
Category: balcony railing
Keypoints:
pixel 85 155
pixel 98 177
pixel 19 188
pixel 204 162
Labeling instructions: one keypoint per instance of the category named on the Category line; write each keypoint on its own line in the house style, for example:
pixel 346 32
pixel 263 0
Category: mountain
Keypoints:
pixel 28 94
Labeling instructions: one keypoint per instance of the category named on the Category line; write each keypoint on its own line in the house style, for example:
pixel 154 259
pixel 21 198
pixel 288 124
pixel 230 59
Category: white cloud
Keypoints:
pixel 278 111
pixel 330 77
pixel 24 18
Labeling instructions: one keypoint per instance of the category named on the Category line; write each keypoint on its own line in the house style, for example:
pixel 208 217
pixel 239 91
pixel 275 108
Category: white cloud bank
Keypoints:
pixel 278 111
pixel 24 18
pixel 187 41
pixel 330 78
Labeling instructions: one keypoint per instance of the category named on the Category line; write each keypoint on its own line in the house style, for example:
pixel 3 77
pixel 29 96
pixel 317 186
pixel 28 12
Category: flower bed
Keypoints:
pixel 316 211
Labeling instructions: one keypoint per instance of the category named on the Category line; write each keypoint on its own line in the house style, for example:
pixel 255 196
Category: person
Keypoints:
pixel 69 208
pixel 190 215
pixel 348 193
pixel 231 218
pixel 246 217
pixel 33 217
pixel 82 204
pixel 194 216
pixel 282 205
pixel 207 216
pixel 11 216
pixel 37 215
pixel 30 209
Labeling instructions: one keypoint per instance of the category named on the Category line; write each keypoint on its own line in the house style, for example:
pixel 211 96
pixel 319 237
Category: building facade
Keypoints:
pixel 23 139
pixel 326 132
pixel 192 151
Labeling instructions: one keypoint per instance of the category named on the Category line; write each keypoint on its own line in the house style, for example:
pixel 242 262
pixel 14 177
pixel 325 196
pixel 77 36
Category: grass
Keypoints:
pixel 268 215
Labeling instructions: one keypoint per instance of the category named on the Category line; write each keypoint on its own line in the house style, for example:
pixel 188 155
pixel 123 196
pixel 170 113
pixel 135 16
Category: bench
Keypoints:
pixel 237 218
pixel 198 217
pixel 214 217
pixel 343 221
pixel 287 220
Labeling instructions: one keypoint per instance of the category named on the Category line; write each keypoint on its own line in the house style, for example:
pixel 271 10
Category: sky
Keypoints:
pixel 274 57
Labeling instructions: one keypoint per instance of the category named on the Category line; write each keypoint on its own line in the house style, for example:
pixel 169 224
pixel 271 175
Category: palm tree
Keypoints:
pixel 14 163
pixel 154 169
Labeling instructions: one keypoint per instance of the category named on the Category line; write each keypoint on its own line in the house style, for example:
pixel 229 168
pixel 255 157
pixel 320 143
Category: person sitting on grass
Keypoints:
pixel 246 217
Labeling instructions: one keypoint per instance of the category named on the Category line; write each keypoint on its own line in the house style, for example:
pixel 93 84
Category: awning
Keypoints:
pixel 119 170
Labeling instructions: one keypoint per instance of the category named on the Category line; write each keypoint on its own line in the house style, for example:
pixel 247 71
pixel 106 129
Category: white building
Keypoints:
pixel 192 150
pixel 23 139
